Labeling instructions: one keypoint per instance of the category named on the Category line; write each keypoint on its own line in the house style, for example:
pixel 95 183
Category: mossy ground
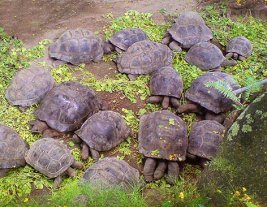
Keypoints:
pixel 19 183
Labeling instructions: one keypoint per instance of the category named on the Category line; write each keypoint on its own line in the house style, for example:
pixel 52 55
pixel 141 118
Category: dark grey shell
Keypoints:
pixel 205 138
pixel 50 157
pixel 240 45
pixel 162 135
pixel 29 86
pixel 144 57
pixel 126 37
pixel 190 29
pixel 211 98
pixel 111 172
pixel 205 55
pixel 67 106
pixel 104 130
pixel 166 82
pixel 12 148
pixel 76 47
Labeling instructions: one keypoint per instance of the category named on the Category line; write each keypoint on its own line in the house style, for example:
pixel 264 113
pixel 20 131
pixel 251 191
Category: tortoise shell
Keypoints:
pixel 205 55
pixel 29 86
pixel 126 37
pixel 50 157
pixel 111 172
pixel 190 29
pixel 144 57
pixel 67 106
pixel 240 45
pixel 205 138
pixel 104 130
pixel 166 82
pixel 162 135
pixel 210 98
pixel 12 148
pixel 76 47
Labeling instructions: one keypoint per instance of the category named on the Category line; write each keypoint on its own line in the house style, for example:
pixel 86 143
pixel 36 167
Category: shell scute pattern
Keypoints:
pixel 104 130
pixel 50 157
pixel 162 135
pixel 205 55
pixel 12 148
pixel 111 172
pixel 166 82
pixel 210 98
pixel 77 46
pixel 125 38
pixel 240 45
pixel 144 57
pixel 29 86
pixel 205 138
pixel 67 105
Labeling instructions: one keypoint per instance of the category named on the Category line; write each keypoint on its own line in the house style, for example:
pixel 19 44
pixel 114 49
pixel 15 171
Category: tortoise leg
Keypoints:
pixel 190 156
pixel 228 63
pixel 175 46
pixel 229 55
pixel 51 133
pixel 235 56
pixel 218 69
pixel 85 151
pixel 118 50
pixel 95 154
pixel 132 77
pixel 57 182
pixel 3 172
pixel 160 170
pixel 76 139
pixel 149 169
pixel 108 48
pixel 175 102
pixel 77 165
pixel 165 102
pixel 23 108
pixel 241 58
pixel 216 117
pixel 154 99
pixel 71 172
pixel 189 108
pixel 167 39
pixel 173 172
pixel 203 163
pixel 37 126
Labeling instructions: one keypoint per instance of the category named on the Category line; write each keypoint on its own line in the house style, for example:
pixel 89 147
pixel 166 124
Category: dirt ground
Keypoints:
pixel 35 20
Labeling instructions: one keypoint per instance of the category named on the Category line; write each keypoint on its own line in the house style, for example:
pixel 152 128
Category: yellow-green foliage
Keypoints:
pixel 225 29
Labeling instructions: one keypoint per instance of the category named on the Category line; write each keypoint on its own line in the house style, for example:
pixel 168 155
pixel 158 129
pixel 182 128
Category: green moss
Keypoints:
pixel 233 131
pixel 246 128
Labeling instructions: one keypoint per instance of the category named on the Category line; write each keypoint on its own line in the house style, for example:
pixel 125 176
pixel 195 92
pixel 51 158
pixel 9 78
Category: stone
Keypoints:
pixel 242 159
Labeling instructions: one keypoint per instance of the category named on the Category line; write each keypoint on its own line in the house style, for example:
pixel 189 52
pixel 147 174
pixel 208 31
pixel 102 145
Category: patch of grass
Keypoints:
pixel 75 194
pixel 225 29
pixel 135 19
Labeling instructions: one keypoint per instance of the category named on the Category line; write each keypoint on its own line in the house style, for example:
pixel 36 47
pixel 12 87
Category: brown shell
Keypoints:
pixel 205 55
pixel 205 138
pixel 190 29
pixel 50 157
pixel 67 106
pixel 29 86
pixel 144 57
pixel 162 135
pixel 211 98
pixel 112 172
pixel 126 37
pixel 166 82
pixel 240 45
pixel 76 47
pixel 12 148
pixel 104 130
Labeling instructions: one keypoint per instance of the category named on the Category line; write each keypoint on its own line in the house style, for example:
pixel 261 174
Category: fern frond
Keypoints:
pixel 225 89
